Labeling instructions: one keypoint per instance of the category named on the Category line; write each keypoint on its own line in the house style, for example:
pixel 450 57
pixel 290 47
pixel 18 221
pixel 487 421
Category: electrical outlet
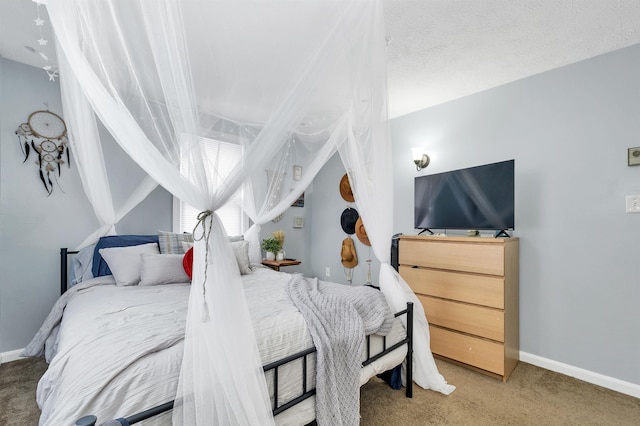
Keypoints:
pixel 633 203
pixel 327 271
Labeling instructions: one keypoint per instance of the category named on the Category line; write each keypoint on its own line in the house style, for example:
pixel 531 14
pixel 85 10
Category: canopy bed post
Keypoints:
pixel 409 392
pixel 63 270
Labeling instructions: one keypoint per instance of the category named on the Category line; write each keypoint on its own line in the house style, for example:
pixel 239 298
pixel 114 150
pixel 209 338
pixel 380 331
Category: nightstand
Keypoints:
pixel 277 264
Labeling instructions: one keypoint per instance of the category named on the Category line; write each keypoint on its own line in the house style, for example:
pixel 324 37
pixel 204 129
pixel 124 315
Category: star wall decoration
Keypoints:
pixel 51 71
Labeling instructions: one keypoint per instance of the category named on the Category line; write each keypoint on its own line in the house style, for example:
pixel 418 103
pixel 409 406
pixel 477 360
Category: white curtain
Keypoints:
pixel 88 158
pixel 366 155
pixel 292 81
pixel 266 210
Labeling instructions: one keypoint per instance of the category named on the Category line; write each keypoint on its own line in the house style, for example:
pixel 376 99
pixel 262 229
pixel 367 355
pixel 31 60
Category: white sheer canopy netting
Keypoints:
pixel 291 82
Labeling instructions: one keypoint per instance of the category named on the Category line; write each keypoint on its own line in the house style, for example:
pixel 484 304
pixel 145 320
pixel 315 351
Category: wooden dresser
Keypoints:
pixel 468 287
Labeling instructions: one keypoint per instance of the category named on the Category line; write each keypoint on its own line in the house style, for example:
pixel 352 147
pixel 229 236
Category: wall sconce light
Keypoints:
pixel 420 158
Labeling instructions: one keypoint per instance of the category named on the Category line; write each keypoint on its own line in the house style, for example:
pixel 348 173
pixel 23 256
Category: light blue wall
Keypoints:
pixel 327 233
pixel 34 226
pixel 296 241
pixel 568 131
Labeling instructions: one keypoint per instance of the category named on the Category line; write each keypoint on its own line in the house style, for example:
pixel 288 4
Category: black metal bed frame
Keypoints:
pixel 91 420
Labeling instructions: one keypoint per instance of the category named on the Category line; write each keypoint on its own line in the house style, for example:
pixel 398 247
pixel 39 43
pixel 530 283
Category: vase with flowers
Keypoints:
pixel 271 246
pixel 279 235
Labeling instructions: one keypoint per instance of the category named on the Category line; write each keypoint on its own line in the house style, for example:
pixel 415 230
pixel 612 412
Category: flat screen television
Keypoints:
pixel 475 198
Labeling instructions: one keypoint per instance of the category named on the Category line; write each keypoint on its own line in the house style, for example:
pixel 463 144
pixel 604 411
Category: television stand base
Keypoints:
pixel 502 233
pixel 427 230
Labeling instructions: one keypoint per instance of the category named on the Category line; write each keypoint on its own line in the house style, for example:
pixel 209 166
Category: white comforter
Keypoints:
pixel 119 349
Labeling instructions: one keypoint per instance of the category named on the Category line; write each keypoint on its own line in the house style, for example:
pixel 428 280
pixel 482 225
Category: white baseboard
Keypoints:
pixel 10 356
pixel 612 383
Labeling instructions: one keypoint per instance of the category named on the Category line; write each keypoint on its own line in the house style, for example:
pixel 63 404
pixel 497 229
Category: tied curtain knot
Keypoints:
pixel 205 234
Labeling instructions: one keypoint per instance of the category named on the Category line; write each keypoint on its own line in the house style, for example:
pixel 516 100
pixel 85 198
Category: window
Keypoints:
pixel 185 217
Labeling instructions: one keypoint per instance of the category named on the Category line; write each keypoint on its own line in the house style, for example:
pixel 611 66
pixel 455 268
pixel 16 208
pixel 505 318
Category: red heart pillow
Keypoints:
pixel 187 262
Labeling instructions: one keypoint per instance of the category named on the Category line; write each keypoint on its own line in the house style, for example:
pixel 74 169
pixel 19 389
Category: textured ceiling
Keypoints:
pixel 438 50
pixel 445 49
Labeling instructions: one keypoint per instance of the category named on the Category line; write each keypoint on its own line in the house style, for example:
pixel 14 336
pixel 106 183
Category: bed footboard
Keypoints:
pixel 136 418
pixel 306 392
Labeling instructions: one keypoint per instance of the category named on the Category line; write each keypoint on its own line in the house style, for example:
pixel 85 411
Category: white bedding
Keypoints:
pixel 118 350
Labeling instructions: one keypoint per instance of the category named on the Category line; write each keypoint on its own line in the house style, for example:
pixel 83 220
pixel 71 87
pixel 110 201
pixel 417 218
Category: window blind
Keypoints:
pixel 226 155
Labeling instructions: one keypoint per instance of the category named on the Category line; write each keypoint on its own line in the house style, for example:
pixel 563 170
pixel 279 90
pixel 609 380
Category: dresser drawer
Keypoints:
pixel 470 350
pixel 472 319
pixel 483 290
pixel 487 258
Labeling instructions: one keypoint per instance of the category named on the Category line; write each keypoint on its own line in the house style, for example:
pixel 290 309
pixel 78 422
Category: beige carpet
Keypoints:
pixel 18 381
pixel 532 396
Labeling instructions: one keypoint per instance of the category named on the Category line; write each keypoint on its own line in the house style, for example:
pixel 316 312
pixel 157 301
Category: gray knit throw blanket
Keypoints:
pixel 339 317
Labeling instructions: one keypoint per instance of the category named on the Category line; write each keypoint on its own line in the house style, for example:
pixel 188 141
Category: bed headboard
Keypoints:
pixel 64 268
pixel 96 264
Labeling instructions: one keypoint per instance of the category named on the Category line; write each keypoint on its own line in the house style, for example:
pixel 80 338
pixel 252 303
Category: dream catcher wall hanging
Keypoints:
pixel 45 134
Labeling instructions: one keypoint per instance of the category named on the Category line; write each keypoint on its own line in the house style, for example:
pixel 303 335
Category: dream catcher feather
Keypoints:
pixel 45 134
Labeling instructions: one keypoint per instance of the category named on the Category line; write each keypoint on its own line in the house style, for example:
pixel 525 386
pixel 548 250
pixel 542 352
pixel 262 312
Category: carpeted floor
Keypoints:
pixel 533 396
pixel 18 381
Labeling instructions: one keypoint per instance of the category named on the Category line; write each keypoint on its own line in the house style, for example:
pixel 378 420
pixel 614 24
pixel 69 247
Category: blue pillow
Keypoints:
pixel 100 267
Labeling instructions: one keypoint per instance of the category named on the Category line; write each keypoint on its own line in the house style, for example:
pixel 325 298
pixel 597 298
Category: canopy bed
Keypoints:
pixel 115 347
pixel 291 83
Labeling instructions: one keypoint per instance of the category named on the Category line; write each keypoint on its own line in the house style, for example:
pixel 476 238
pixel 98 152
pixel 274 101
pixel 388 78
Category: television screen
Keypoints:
pixel 479 197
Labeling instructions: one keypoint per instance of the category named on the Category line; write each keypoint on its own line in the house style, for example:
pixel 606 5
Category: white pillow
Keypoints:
pixel 125 262
pixel 158 269
pixel 241 250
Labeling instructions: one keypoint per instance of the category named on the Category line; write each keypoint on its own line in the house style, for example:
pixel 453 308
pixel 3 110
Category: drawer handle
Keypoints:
pixel 414 267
